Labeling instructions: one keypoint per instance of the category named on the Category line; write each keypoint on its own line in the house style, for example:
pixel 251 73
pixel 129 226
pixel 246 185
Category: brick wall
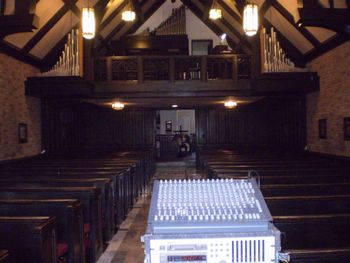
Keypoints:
pixel 16 108
pixel 332 102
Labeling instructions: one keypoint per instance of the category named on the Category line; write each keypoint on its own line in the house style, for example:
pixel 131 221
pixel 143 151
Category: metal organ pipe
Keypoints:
pixel 273 57
pixel 175 24
pixel 69 63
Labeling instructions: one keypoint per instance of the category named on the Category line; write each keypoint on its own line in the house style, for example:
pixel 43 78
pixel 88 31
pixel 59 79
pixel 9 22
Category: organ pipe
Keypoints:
pixel 273 57
pixel 175 24
pixel 70 61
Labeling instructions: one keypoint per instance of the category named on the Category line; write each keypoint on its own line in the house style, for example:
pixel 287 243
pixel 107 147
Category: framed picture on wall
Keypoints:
pixel 322 128
pixel 22 133
pixel 347 128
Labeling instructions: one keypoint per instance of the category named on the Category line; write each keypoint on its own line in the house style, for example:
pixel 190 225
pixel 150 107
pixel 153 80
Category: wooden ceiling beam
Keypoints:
pixel 137 9
pixel 289 17
pixel 112 15
pixel 100 10
pixel 329 45
pixel 335 19
pixel 16 53
pixel 45 29
pixel 110 35
pixel 230 11
pixel 292 51
pixel 206 11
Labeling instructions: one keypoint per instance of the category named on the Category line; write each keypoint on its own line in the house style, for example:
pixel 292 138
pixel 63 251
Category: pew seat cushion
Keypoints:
pixel 62 249
pixel 87 235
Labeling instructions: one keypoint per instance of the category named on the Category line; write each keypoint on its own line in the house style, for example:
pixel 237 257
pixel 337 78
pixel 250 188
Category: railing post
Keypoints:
pixel 204 74
pixel 139 69
pixel 172 70
pixel 235 69
pixel 109 69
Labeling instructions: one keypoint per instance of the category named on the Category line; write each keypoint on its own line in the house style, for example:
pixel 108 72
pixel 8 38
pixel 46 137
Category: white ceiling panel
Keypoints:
pixel 288 30
pixel 115 21
pixel 54 35
pixel 233 6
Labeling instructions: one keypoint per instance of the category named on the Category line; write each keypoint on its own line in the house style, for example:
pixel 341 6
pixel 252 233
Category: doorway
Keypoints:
pixel 175 133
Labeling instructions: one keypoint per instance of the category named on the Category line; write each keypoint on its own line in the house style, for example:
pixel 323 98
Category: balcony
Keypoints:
pixel 171 73
pixel 174 76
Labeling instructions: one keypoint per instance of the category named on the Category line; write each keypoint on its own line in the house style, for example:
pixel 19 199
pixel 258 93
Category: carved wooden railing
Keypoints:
pixel 172 68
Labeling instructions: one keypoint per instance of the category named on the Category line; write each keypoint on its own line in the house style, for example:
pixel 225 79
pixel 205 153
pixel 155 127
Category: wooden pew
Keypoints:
pixel 329 232
pixel 104 184
pixel 120 180
pixel 126 172
pixel 89 196
pixel 68 214
pixel 4 256
pixel 331 255
pixel 29 239
pixel 308 205
pixel 311 189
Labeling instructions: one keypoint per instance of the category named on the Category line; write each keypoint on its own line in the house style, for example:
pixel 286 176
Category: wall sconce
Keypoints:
pixel 88 23
pixel 250 19
pixel 117 105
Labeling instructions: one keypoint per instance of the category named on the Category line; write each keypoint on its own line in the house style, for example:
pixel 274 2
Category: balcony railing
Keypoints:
pixel 172 68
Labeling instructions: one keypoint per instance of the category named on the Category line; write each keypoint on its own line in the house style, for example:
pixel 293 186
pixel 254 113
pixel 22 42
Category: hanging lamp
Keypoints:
pixel 250 19
pixel 215 12
pixel 88 22
pixel 128 15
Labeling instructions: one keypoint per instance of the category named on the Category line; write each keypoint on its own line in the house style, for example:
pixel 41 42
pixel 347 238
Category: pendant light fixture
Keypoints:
pixel 250 19
pixel 128 15
pixel 215 12
pixel 88 22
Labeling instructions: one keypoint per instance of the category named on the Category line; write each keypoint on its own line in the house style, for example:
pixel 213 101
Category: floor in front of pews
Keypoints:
pixel 126 246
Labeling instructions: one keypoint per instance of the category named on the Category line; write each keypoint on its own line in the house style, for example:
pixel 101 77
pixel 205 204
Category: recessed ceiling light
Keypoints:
pixel 174 106
pixel 118 105
pixel 230 104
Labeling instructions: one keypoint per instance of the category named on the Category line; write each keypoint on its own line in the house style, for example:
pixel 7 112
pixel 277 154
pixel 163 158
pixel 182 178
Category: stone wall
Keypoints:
pixel 17 108
pixel 331 103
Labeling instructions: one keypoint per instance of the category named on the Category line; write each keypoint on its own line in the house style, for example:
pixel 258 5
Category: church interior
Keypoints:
pixel 155 131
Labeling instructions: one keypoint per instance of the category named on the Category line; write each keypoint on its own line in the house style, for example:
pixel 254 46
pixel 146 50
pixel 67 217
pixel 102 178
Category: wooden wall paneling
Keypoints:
pixel 277 122
pixel 201 126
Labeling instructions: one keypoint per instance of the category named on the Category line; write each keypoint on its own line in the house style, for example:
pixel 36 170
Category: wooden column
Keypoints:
pixel 172 70
pixel 139 69
pixel 204 76
pixel 109 69
pixel 235 69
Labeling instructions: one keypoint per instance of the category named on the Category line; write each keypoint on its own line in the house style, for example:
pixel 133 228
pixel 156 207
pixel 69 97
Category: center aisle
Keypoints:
pixel 126 246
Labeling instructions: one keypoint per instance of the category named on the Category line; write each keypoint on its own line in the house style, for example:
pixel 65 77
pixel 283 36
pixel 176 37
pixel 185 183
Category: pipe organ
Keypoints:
pixel 273 57
pixel 71 59
pixel 175 24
